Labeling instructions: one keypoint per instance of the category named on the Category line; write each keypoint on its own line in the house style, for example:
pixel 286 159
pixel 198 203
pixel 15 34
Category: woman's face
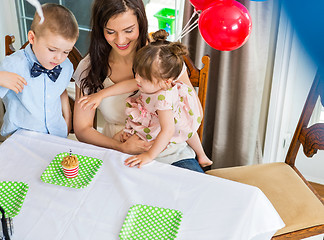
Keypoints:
pixel 122 32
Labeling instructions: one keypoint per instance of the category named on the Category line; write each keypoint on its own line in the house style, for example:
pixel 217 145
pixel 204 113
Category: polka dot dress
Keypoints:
pixel 142 117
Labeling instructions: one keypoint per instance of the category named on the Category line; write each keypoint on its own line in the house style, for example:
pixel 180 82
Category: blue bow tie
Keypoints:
pixel 38 69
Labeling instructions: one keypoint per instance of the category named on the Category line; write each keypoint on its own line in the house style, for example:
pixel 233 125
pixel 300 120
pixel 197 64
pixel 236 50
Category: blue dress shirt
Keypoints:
pixel 38 107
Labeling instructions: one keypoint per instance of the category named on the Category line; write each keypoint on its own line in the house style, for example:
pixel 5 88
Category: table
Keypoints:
pixel 213 208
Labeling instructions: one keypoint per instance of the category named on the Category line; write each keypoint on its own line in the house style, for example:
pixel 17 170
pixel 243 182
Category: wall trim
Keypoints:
pixel 278 90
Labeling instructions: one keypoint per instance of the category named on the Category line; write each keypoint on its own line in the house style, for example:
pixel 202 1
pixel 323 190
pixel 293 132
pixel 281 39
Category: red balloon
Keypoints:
pixel 203 4
pixel 224 26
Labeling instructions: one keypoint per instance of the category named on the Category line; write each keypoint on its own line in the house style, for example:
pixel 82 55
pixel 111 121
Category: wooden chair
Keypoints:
pixel 298 204
pixel 199 78
pixel 74 56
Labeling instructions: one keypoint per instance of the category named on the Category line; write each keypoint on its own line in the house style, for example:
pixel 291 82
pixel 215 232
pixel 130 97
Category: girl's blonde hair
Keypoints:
pixel 160 59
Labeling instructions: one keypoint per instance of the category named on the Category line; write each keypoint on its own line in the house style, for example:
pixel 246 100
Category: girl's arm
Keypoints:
pixel 162 140
pixel 84 131
pixel 95 99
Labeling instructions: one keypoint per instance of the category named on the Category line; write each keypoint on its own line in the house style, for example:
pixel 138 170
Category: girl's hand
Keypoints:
pixel 121 136
pixel 124 136
pixel 93 99
pixel 12 81
pixel 138 160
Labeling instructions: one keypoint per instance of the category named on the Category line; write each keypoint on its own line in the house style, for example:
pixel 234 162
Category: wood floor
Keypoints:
pixel 319 188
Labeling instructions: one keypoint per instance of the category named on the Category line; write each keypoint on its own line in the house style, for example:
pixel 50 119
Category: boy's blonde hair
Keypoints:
pixel 58 19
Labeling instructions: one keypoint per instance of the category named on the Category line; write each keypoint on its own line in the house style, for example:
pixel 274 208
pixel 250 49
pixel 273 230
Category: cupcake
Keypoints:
pixel 70 165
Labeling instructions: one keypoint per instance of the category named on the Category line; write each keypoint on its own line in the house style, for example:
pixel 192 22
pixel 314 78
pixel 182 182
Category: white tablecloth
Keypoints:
pixel 213 208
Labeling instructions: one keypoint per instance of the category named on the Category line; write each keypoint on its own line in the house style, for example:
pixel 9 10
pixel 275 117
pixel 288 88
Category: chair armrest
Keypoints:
pixel 9 48
pixel 312 139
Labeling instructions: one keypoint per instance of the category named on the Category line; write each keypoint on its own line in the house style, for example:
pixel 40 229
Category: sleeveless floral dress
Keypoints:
pixel 142 117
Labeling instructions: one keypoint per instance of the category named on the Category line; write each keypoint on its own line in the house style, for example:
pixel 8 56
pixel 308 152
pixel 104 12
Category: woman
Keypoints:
pixel 119 29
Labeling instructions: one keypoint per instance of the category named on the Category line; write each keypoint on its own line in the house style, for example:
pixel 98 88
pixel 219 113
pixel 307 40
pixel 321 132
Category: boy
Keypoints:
pixel 33 80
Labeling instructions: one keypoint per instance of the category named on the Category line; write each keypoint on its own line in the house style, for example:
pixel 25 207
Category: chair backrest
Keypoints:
pixel 311 137
pixel 199 78
pixel 74 56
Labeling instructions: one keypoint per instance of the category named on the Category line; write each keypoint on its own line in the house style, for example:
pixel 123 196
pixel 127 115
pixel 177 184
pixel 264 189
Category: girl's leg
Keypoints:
pixel 195 144
pixel 190 164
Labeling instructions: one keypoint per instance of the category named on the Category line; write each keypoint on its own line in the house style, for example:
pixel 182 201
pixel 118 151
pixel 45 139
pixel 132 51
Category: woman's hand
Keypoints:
pixel 135 145
pixel 12 81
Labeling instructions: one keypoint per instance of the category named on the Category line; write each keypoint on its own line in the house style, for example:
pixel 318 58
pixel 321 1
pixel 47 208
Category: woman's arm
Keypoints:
pixel 84 131
pixel 160 143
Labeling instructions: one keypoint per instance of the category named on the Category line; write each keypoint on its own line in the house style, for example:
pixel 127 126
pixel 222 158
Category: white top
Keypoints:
pixel 213 208
pixel 113 111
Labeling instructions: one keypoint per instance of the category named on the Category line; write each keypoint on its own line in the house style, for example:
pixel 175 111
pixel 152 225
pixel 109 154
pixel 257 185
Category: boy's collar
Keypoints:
pixel 30 55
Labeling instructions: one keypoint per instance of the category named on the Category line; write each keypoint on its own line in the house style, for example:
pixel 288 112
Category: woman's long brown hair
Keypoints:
pixel 99 49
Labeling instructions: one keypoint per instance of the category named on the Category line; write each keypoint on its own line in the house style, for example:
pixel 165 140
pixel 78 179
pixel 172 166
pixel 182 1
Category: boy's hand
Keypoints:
pixel 12 81
pixel 138 160
pixel 93 99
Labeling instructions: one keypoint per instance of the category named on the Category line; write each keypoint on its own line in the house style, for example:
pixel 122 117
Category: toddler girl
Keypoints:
pixel 166 110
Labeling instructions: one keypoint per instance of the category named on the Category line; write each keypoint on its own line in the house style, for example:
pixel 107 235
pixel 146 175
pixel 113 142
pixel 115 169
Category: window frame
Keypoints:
pixel 22 21
pixel 321 115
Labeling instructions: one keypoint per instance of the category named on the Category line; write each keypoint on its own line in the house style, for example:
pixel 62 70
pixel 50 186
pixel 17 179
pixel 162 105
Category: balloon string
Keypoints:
pixel 187 26
pixel 188 30
pixel 192 16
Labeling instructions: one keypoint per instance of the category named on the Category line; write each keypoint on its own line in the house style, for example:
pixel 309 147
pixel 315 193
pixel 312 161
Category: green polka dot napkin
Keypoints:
pixel 88 167
pixel 147 222
pixel 12 196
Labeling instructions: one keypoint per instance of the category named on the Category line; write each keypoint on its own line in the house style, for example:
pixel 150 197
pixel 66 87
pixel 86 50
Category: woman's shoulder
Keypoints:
pixel 82 69
pixel 84 63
